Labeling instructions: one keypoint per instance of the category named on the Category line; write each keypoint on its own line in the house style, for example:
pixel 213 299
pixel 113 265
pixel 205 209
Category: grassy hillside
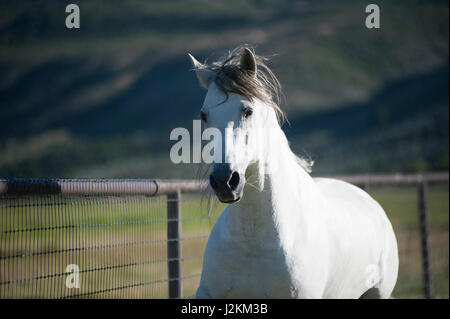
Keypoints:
pixel 101 101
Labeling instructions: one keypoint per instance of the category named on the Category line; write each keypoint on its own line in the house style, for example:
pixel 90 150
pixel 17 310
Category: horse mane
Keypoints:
pixel 231 78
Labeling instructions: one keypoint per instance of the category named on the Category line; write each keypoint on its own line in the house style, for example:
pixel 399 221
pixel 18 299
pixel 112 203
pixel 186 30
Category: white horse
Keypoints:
pixel 284 234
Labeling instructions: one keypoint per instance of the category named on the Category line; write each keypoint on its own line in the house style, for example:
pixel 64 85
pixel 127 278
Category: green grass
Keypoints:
pixel 133 229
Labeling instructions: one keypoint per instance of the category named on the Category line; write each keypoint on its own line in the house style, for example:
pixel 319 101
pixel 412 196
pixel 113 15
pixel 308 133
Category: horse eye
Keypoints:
pixel 247 111
pixel 203 116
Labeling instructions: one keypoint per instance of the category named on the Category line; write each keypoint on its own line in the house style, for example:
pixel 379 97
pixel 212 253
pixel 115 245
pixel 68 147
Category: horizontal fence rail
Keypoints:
pixel 154 187
pixel 394 179
pixel 130 239
pixel 148 187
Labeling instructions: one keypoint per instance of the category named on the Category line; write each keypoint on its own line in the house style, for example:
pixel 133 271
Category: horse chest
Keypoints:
pixel 257 274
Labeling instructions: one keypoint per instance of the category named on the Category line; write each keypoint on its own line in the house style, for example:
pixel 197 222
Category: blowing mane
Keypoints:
pixel 231 78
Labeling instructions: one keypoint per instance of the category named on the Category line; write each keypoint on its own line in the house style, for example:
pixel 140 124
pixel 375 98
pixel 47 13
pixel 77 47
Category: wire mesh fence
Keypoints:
pixel 401 204
pixel 118 244
pixel 115 241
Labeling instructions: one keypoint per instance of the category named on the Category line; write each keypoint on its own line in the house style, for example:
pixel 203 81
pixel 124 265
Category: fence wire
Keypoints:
pixel 120 243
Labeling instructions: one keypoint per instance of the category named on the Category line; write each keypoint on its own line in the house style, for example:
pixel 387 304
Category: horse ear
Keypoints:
pixel 203 74
pixel 248 61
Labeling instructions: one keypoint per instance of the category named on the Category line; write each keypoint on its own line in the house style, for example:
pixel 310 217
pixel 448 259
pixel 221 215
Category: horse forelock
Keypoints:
pixel 231 78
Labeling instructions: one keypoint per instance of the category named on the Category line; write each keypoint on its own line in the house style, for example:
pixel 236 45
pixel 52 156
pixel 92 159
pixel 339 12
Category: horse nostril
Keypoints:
pixel 234 180
pixel 212 182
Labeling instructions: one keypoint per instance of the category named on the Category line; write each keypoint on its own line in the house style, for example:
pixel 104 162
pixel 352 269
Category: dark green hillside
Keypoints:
pixel 101 101
pixel 403 126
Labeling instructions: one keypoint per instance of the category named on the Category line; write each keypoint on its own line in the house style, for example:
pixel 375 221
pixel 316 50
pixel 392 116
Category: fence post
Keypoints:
pixel 174 245
pixel 426 260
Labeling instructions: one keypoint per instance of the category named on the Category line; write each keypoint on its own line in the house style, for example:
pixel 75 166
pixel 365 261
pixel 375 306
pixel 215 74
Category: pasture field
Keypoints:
pixel 120 246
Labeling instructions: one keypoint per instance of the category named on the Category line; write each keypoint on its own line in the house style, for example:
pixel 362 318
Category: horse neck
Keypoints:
pixel 261 215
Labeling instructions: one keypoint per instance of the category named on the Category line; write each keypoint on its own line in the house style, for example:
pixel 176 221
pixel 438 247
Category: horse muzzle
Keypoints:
pixel 226 183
